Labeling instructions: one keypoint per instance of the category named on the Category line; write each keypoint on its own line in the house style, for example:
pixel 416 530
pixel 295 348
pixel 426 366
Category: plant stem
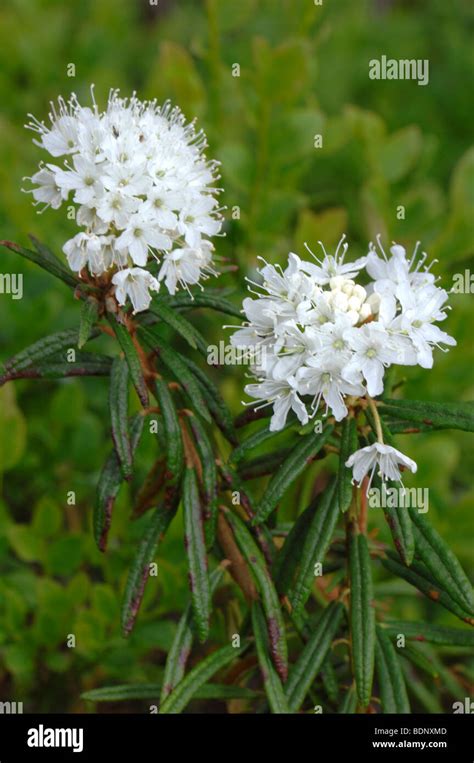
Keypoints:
pixel 378 425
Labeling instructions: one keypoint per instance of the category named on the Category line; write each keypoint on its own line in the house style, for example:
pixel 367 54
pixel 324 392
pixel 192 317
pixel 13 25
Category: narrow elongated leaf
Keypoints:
pixel 264 583
pixel 420 577
pixel 254 441
pixel 89 316
pixel 180 324
pixel 196 551
pixel 399 522
pixel 118 404
pixel 392 687
pixel 207 298
pixel 37 353
pixel 109 484
pixel 288 558
pixel 311 659
pixel 183 641
pixel 290 469
pixel 133 361
pixel 362 617
pixel 347 447
pixel 209 479
pixel 86 364
pixel 175 363
pixel 330 679
pixel 349 702
pixel 435 634
pixel 47 263
pixel 188 688
pixel 315 546
pixel 262 465
pixel 432 415
pixel 441 562
pixel 421 660
pixel 216 405
pixel 131 692
pixel 172 432
pixel 140 568
pixel 271 680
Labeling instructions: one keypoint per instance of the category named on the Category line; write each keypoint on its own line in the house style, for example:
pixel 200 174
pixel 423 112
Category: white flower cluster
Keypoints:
pixel 143 187
pixel 325 337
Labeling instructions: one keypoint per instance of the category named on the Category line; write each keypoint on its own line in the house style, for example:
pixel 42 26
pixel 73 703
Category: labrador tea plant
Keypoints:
pixel 308 632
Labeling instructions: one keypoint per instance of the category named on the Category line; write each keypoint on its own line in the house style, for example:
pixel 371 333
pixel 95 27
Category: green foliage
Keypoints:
pixel 304 640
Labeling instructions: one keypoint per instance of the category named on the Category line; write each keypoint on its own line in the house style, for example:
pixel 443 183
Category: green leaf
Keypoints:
pixel 315 546
pixel 196 551
pixel 182 326
pixel 110 479
pixel 262 465
pixel 172 432
pixel 349 702
pixel 207 298
pixel 432 415
pixel 188 688
pixel 271 681
pixel 118 404
pixel 420 577
pixel 42 349
pixel 133 361
pixel 86 364
pixel 392 688
pixel 140 568
pixel 399 522
pixel 178 367
pixel 49 263
pixel 129 692
pixel 181 647
pixel 362 617
pixel 289 556
pixel 89 316
pixel 216 405
pixel 270 601
pixel 435 634
pixel 347 447
pixel 209 479
pixel 311 659
pixel 291 468
pixel 441 562
pixel 254 441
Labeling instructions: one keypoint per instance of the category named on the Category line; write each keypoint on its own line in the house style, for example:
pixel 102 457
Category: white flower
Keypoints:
pixel 135 283
pixel 49 192
pixel 331 266
pixel 379 456
pixel 324 380
pixel 334 337
pixel 374 349
pixel 284 397
pixel 140 177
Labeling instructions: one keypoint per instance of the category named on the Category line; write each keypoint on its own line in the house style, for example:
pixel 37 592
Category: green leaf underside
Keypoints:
pixel 118 404
pixel 173 443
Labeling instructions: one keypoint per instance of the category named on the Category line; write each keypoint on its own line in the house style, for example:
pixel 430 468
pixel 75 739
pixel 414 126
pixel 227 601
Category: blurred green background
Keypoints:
pixel 303 72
